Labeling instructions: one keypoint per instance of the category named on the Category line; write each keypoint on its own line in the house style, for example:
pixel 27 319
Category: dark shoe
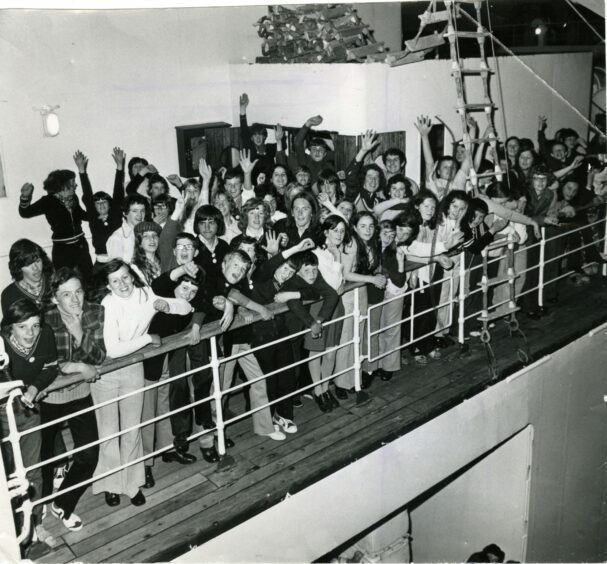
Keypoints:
pixel 209 454
pixel 443 342
pixel 322 403
pixel 297 401
pixel 149 478
pixel 366 380
pixel 139 499
pixel 331 399
pixel 112 499
pixel 386 375
pixel 341 393
pixel 176 456
pixel 229 442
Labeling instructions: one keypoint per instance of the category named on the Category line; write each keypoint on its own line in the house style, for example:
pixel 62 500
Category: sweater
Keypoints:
pixel 127 320
pixel 102 229
pixel 14 292
pixel 38 367
pixel 66 225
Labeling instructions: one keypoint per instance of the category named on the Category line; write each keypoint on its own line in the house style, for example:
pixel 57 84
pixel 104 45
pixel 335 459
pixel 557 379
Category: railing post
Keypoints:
pixel 356 339
pixel 540 285
pixel 604 241
pixel 462 298
pixel 217 394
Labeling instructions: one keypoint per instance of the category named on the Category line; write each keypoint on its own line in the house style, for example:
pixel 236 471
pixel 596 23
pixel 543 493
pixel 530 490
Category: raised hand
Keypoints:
pixel 206 172
pixel 272 243
pixel 191 269
pixel 401 254
pixel 542 123
pixel 423 125
pixel 369 141
pixel 245 161
pixel 244 102
pixel 81 161
pixel 323 198
pixel 314 121
pixel 471 123
pixel 119 157
pixel 577 161
pixel 27 190
pixel 148 169
pixel 279 133
pixel 175 180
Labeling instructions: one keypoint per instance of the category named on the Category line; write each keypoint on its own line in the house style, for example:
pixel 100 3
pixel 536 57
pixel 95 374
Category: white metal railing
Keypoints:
pixel 18 475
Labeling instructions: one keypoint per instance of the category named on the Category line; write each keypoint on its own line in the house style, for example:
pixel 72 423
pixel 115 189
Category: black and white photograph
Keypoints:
pixel 303 282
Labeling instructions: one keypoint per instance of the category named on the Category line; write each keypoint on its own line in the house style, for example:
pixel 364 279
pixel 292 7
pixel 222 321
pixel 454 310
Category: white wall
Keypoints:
pixel 353 98
pixel 561 396
pixel 128 77
pixel 487 504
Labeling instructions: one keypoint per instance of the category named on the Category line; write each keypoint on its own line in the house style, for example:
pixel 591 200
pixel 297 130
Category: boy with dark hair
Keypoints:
pixel 254 138
pixel 121 243
pixel 320 157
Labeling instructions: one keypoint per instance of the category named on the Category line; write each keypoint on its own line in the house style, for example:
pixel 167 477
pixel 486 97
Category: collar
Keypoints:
pixel 207 245
pixel 256 233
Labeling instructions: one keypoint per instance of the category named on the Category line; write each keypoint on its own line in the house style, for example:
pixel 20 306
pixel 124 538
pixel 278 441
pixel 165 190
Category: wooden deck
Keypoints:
pixel 191 504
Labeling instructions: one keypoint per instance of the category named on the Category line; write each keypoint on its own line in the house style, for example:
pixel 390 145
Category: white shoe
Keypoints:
pixel 285 424
pixel 42 535
pixel 475 333
pixel 73 522
pixel 277 435
pixel 58 476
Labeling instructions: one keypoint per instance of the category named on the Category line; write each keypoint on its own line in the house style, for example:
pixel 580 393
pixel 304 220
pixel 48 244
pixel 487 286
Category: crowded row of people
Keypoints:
pixel 173 254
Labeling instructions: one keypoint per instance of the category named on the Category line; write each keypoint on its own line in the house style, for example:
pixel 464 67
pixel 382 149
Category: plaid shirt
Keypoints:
pixel 92 347
pixel 90 351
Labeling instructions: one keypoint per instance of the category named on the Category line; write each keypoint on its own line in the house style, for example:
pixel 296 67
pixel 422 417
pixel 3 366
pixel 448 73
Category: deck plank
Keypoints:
pixel 191 504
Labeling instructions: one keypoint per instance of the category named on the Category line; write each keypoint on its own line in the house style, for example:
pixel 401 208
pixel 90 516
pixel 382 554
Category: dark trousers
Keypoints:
pixel 84 431
pixel 281 384
pixel 74 255
pixel 179 390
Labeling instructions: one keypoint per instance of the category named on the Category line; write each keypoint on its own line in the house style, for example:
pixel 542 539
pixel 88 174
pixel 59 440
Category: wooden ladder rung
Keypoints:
pixel 497 280
pixel 435 17
pixel 498 314
pixel 467 34
pixel 469 71
pixel 424 42
pixel 397 61
pixel 476 107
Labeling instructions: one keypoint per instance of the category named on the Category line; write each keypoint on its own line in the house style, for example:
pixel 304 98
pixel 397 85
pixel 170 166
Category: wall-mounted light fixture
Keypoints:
pixel 50 120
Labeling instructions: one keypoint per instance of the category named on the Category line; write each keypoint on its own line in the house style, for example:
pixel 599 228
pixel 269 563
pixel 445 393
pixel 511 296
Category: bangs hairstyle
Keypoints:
pixel 57 180
pixel 382 178
pixel 185 235
pixel 409 218
pixel 102 196
pixel 24 252
pixel 209 212
pixel 257 128
pixel 19 311
pixel 197 280
pixel 330 223
pixel 237 253
pixel 133 199
pixel 394 180
pixel 421 197
pixel 306 258
pixel 135 161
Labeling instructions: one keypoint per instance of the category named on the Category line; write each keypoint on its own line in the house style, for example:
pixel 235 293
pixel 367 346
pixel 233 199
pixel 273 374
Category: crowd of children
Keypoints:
pixel 172 254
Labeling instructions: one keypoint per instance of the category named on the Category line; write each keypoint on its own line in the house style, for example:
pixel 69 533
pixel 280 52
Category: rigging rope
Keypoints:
pixel 552 89
pixel 585 21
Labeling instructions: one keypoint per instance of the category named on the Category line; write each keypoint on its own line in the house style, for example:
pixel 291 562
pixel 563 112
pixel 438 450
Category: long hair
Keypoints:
pixel 101 279
pixel 250 205
pixel 149 270
pixel 209 212
pixel 421 197
pixel 19 311
pixel 24 252
pixel 366 262
pixel 448 200
pixel 328 224
pixel 311 199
